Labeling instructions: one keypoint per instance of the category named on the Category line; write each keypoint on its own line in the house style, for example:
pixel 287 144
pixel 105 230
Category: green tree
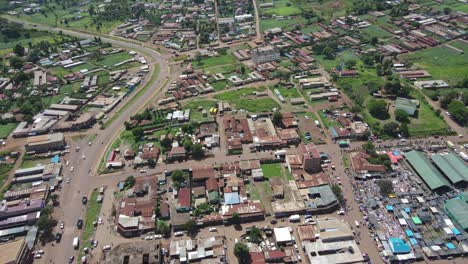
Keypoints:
pixel 164 228
pixel 203 209
pixel 404 130
pixel 255 235
pixel 277 117
pixel 190 226
pixel 369 148
pixel 235 218
pixel 338 192
pixel 241 251
pixel 350 64
pixel 54 198
pixel 178 177
pixel 197 151
pixel 151 163
pixel 129 182
pixel 18 50
pixel 458 111
pixel 386 187
pixel 16 62
pixel 138 132
pixel 188 144
pixel 401 116
pixel 378 108
pixel 166 143
pixel 391 129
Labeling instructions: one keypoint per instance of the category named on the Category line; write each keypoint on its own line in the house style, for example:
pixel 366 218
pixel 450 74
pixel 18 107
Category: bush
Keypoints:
pixel 378 109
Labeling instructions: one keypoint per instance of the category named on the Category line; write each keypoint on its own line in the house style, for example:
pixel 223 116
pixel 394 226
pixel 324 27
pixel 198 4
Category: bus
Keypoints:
pixel 450 144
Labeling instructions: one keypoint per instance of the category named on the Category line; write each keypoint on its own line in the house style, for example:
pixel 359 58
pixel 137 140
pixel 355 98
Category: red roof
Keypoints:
pixel 274 255
pixel 257 258
pixel 211 184
pixel 204 172
pixel 184 197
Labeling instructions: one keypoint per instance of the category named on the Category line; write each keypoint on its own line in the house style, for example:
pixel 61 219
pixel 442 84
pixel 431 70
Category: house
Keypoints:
pixel 203 173
pixel 177 153
pixel 184 200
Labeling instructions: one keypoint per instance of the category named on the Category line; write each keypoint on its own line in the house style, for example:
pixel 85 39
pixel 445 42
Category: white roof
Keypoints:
pixel 282 234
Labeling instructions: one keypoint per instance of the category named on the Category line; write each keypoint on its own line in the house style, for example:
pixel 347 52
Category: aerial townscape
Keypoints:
pixel 233 131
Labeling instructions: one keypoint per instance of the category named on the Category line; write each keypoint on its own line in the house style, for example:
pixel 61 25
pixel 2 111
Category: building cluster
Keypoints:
pixel 425 215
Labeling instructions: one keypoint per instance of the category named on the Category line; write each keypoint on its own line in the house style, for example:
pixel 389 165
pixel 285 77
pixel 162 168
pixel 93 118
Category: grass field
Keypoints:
pixel 281 8
pixel 92 214
pixel 442 63
pixel 33 163
pixel 375 31
pixel 426 123
pixel 112 59
pixel 195 114
pixel 287 92
pixel 6 129
pixel 238 99
pixel 271 170
pixel 4 170
pixel 214 61
pixel 285 24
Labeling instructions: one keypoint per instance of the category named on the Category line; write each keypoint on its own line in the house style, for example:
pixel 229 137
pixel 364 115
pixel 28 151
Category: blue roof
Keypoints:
pixel 398 246
pixel 456 231
pixel 409 233
pixel 231 198
pixel 333 132
pixel 121 185
pixel 450 246
pixel 407 210
pixel 413 241
pixel 55 159
pixel 389 208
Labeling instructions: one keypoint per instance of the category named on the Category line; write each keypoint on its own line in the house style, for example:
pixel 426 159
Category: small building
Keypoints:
pixel 282 235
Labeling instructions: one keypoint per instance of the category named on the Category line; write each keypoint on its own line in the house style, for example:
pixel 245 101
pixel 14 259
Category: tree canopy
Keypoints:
pixel 378 108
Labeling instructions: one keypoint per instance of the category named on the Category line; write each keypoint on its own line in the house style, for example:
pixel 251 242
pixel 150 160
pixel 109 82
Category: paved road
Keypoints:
pixel 83 179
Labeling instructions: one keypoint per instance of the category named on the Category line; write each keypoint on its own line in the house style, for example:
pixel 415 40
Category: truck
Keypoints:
pixel 294 218
pixel 76 242
pixel 450 144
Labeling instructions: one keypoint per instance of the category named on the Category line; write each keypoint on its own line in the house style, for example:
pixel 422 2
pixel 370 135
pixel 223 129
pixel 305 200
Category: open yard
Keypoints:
pixel 245 99
pixel 271 170
pixel 215 61
pixel 427 122
pixel 195 113
pixel 6 129
pixel 281 8
pixel 33 163
pixel 442 62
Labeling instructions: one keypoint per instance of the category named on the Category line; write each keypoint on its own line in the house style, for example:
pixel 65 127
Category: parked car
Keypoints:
pixel 70 259
pixel 79 223
pixel 84 200
pixel 58 237
pixel 62 225
pixel 179 233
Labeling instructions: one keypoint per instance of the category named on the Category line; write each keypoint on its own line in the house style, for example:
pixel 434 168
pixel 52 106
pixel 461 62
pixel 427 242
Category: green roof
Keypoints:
pixel 453 167
pixel 426 170
pixel 416 220
pixel 457 210
pixel 213 197
pixel 406 105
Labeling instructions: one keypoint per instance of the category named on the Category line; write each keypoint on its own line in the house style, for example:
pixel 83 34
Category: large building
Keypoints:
pixel 265 54
pixel 457 210
pixel 423 167
pixel 45 143
pixel 453 167
pixel 310 158
pixel 15 252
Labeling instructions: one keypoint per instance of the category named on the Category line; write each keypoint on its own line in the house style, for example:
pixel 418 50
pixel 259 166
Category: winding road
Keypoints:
pixel 85 161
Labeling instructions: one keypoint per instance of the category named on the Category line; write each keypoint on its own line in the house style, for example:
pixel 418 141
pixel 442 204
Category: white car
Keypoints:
pixel 106 247
pixel 158 236
pixel 179 233
pixel 95 243
pixel 213 229
pixel 66 163
pixel 62 225
pixel 100 221
pixel 72 169
pixel 90 143
pixel 84 157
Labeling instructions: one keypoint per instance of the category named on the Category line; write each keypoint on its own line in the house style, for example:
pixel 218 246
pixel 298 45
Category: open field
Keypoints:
pixel 375 31
pixel 427 122
pixel 6 129
pixel 33 163
pixel 287 92
pixel 239 99
pixel 214 61
pixel 441 62
pixel 196 114
pixel 281 8
pixel 271 170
